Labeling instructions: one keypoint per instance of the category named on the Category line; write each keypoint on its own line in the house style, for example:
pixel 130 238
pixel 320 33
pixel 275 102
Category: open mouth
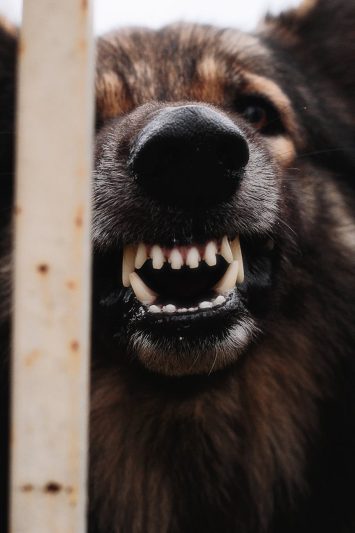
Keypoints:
pixel 175 303
pixel 183 279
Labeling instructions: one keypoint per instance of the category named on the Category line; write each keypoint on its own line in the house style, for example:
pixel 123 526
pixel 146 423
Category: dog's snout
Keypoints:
pixel 190 155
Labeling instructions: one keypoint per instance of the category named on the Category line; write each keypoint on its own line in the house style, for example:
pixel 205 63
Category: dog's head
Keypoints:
pixel 210 154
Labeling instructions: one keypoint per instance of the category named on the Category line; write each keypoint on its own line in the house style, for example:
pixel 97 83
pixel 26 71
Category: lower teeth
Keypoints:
pixel 170 308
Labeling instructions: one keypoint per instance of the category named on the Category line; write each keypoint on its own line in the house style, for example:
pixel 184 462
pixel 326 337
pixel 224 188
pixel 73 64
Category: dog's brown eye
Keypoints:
pixel 256 115
pixel 260 113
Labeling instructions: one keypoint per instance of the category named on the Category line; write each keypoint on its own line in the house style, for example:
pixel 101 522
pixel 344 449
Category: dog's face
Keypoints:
pixel 197 192
pixel 224 223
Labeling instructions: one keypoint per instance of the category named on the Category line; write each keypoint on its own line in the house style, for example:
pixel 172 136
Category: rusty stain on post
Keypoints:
pixel 71 285
pixel 32 357
pixel 27 487
pixel 43 268
pixel 52 268
pixel 52 487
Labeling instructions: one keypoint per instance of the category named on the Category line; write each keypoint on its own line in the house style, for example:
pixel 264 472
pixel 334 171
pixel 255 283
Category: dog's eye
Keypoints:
pixel 256 115
pixel 260 113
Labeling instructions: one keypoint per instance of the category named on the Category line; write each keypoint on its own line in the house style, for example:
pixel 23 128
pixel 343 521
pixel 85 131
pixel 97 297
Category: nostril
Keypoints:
pixel 231 151
pixel 189 155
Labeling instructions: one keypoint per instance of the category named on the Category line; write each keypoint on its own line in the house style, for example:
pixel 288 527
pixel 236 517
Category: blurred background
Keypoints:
pixel 243 14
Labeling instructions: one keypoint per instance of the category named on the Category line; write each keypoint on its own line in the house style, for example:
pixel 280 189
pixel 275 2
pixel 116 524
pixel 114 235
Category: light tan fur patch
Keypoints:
pixel 8 26
pixel 282 148
pixel 242 45
pixel 110 95
pixel 343 232
pixel 305 7
pixel 209 87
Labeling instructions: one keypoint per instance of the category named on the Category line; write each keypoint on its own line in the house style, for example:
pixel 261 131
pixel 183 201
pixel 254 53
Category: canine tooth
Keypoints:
pixel 154 309
pixel 170 308
pixel 143 293
pixel 193 257
pixel 219 300
pixel 157 256
pixel 226 251
pixel 237 256
pixel 228 281
pixel 205 305
pixel 129 253
pixel 176 259
pixel 210 253
pixel 141 256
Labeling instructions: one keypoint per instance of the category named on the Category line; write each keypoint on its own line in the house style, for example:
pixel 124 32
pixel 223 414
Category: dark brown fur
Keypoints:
pixel 259 439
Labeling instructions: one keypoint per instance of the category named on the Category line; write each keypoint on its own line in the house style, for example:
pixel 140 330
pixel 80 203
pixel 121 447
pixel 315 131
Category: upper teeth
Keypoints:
pixel 134 257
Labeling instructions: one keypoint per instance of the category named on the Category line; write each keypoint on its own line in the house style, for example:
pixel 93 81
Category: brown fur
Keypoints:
pixel 253 431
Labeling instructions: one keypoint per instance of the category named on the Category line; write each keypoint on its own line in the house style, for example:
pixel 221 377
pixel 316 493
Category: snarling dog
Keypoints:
pixel 223 383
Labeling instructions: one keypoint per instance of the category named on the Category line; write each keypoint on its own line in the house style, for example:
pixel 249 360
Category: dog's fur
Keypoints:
pixel 267 442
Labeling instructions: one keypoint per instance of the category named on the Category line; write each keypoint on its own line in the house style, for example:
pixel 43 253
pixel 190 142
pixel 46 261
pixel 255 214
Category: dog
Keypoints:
pixel 223 324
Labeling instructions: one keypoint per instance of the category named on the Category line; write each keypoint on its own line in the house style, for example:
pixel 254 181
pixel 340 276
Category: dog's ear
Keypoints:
pixel 8 53
pixel 320 35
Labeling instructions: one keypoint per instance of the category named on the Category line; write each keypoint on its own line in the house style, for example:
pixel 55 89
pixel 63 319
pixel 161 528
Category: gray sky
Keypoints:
pixel 243 14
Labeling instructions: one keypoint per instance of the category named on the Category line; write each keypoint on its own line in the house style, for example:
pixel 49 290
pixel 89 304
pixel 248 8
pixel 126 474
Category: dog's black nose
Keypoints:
pixel 189 156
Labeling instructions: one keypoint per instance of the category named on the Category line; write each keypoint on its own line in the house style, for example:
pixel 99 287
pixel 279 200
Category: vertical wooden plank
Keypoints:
pixel 52 272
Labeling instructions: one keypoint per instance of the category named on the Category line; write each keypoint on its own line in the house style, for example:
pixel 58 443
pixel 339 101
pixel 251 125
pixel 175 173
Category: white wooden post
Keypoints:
pixel 52 269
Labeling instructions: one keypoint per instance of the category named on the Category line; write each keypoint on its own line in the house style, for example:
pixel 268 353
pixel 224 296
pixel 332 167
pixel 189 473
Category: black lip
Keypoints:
pixel 192 327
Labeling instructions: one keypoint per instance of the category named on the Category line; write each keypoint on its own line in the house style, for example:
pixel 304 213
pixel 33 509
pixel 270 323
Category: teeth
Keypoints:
pixel 193 258
pixel 170 308
pixel 157 256
pixel 210 253
pixel 143 293
pixel 154 309
pixel 237 256
pixel 176 259
pixel 141 256
pixel 135 256
pixel 129 254
pixel 229 279
pixel 226 251
pixel 205 305
pixel 219 300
